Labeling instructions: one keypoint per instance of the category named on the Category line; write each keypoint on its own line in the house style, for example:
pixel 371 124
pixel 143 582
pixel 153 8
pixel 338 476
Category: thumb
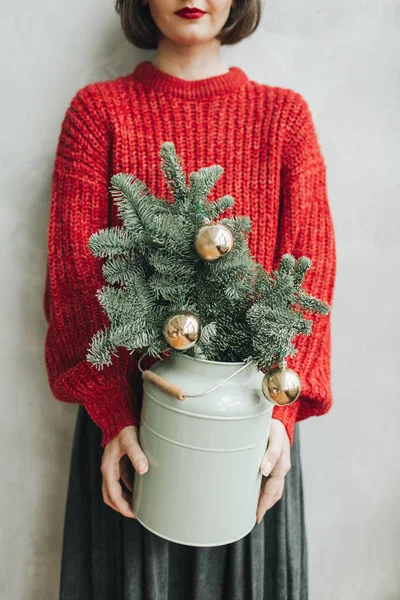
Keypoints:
pixel 137 457
pixel 274 450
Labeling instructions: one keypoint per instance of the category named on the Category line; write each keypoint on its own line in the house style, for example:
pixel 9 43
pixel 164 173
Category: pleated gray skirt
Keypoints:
pixel 109 557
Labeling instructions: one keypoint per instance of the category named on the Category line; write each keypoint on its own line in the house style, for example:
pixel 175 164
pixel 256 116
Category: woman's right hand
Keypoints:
pixel 119 456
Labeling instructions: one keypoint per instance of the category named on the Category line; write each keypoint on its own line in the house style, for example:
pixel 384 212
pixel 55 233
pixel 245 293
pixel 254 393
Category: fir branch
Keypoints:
pixel 113 241
pixel 137 207
pixel 212 210
pixel 122 270
pixel 99 353
pixel 238 224
pixel 303 264
pixel 153 269
pixel 201 183
pixel 309 303
pixel 171 166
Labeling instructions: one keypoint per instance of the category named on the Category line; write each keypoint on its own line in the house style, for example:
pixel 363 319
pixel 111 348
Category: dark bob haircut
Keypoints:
pixel 140 29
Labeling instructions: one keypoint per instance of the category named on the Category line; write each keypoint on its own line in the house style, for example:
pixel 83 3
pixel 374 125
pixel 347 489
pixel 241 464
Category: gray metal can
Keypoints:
pixel 204 453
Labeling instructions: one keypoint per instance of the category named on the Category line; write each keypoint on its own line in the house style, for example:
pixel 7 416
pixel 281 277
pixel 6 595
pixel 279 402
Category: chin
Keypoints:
pixel 188 39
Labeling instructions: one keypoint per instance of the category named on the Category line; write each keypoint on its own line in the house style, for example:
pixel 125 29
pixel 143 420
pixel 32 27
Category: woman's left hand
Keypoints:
pixel 275 465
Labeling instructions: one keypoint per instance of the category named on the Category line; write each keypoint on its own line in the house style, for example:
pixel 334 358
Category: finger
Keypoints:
pixel 118 498
pixel 283 466
pixel 273 452
pixel 272 492
pixel 111 476
pixel 127 496
pixel 106 497
pixel 126 472
pixel 262 487
pixel 127 480
pixel 137 458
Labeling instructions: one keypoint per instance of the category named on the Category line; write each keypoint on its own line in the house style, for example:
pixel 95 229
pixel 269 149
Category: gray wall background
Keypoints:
pixel 343 57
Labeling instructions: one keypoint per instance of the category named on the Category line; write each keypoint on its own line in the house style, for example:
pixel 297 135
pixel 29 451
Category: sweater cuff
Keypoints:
pixel 106 395
pixel 287 415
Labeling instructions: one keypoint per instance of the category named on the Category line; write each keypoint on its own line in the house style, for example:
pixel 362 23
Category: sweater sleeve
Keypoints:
pixel 308 231
pixel 79 206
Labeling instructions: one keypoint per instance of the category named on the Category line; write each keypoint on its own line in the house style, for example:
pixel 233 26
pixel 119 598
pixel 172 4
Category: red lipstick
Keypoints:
pixel 190 13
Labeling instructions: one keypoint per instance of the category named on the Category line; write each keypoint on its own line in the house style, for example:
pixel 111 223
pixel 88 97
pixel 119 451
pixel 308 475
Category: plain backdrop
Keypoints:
pixel 343 57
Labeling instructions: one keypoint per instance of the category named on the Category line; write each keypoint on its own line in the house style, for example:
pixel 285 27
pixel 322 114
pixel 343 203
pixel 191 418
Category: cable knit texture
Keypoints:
pixel 264 138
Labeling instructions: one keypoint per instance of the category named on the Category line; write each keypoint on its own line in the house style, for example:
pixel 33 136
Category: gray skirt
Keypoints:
pixel 109 557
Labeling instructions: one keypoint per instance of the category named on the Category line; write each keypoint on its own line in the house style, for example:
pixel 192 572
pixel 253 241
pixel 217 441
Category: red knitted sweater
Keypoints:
pixel 264 138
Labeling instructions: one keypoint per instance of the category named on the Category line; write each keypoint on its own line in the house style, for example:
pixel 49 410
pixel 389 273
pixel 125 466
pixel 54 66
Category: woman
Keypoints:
pixel 265 139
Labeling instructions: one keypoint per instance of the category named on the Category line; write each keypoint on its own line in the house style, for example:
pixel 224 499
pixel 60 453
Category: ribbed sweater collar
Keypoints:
pixel 191 89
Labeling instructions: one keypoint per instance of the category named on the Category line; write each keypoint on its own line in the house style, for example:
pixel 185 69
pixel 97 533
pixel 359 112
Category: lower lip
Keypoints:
pixel 188 15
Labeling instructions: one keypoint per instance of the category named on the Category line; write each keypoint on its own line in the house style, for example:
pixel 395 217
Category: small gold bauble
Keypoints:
pixel 281 386
pixel 181 330
pixel 213 241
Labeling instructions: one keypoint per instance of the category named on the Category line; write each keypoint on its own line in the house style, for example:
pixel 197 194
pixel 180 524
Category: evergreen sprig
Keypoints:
pixel 152 270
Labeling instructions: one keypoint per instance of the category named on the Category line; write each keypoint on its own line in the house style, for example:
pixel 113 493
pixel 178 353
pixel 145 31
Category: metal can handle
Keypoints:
pixel 176 391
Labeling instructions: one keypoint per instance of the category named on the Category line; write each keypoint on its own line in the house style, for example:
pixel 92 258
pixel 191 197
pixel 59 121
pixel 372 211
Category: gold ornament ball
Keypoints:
pixel 213 241
pixel 182 330
pixel 281 386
